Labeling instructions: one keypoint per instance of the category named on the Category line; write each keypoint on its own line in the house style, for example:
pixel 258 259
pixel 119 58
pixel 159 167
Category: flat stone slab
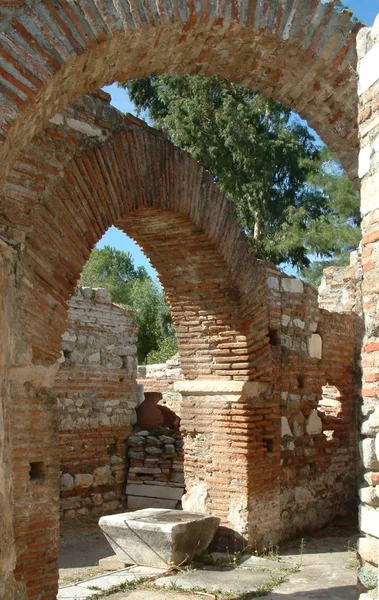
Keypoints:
pixel 218 579
pixel 97 585
pixel 159 537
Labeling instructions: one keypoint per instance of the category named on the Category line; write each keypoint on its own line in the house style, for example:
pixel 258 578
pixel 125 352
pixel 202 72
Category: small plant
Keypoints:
pixel 301 550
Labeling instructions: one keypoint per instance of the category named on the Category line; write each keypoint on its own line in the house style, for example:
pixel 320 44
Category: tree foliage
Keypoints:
pixel 291 196
pixel 129 286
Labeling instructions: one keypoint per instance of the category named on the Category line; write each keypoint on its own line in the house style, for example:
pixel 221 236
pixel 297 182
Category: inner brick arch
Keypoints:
pixel 64 192
pixel 299 52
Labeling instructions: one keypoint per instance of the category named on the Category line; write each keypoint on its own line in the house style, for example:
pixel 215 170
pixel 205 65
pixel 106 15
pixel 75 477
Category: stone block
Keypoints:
pixel 315 346
pixel 112 563
pixel 314 424
pixel 368 549
pixel 83 480
pixel 285 428
pixel 368 454
pixel 103 476
pixel 66 482
pixel 154 491
pixel 369 520
pixel 140 502
pixel 293 286
pixel 159 537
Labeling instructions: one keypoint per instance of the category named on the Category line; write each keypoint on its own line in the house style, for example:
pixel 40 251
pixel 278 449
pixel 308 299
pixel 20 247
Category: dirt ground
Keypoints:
pixel 82 546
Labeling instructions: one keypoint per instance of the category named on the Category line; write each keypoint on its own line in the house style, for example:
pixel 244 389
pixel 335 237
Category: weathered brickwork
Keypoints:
pixel 302 53
pixel 368 70
pixel 97 395
pixel 73 172
pixel 246 333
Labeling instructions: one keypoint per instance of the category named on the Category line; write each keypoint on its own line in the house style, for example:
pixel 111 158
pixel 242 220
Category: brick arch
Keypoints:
pixel 162 198
pixel 77 178
pixel 299 52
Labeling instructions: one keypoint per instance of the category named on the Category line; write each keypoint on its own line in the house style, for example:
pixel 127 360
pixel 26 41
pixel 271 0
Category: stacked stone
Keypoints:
pixel 368 70
pixel 155 476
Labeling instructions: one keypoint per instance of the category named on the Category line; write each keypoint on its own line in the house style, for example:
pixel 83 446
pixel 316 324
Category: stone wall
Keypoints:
pixel 97 395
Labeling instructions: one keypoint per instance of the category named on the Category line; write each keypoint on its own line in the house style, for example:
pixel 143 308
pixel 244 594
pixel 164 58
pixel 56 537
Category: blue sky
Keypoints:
pixel 365 10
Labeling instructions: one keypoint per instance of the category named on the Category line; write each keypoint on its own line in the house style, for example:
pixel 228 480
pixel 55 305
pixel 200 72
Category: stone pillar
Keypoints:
pixel 231 458
pixel 368 74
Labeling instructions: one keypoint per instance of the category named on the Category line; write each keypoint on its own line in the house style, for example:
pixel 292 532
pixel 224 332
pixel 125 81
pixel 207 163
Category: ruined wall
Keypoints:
pixel 341 287
pixel 97 394
pixel 368 88
pixel 314 356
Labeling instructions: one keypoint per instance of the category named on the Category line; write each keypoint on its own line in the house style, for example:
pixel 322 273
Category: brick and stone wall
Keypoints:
pixel 97 394
pixel 368 87
pixel 65 181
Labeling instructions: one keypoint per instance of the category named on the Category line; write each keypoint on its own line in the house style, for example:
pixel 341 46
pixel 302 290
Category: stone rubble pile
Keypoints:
pixel 155 475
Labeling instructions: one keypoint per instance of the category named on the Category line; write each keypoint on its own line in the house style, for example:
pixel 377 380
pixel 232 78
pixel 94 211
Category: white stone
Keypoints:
pixel 285 428
pixel 368 495
pixel 368 549
pixel 103 476
pixel 364 161
pixel 368 69
pixel 293 286
pixel 58 119
pixel 370 193
pixel 298 323
pixel 315 346
pixel 313 326
pixel 83 480
pixel 159 537
pixel 374 418
pixel 103 296
pixel 368 454
pixel 369 520
pixel 85 127
pixel 285 320
pixel 377 446
pixel 273 283
pixel 196 498
pixel 314 424
pixel 66 482
pixel 68 336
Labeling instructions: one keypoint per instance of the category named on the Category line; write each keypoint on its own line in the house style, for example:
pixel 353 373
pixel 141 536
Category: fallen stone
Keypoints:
pixel 159 537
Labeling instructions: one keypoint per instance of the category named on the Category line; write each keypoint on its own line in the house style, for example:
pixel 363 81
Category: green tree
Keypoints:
pixel 111 269
pixel 129 286
pixel 263 158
